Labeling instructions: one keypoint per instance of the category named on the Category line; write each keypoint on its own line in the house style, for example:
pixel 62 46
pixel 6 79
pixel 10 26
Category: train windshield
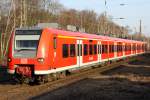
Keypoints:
pixel 26 43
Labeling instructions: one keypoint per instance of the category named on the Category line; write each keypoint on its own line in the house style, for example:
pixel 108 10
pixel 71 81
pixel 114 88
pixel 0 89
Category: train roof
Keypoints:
pixel 82 35
pixel 91 36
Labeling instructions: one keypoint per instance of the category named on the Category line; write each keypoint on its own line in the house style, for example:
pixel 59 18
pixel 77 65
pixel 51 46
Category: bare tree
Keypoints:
pixel 5 37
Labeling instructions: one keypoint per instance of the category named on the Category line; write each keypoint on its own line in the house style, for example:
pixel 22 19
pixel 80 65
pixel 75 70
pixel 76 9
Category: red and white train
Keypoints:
pixel 35 53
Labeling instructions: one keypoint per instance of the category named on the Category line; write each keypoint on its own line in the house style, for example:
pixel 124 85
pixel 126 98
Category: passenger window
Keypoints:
pixel 110 48
pixel 65 50
pixel 106 48
pixel 118 48
pixel 80 49
pixel 72 50
pixel 90 49
pixel 103 49
pixel 85 49
pixel 98 49
pixel 95 49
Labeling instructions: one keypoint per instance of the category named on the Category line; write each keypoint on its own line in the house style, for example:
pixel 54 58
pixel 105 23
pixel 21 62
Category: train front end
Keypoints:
pixel 26 54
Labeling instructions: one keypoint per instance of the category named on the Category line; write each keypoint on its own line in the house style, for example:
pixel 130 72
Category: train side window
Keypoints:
pixel 65 50
pixel 95 49
pixel 103 49
pixel 110 48
pixel 80 49
pixel 72 50
pixel 55 42
pixel 115 47
pixel 90 49
pixel 85 49
pixel 118 48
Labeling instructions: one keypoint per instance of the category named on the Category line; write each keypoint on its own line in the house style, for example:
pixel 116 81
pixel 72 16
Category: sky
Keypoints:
pixel 133 11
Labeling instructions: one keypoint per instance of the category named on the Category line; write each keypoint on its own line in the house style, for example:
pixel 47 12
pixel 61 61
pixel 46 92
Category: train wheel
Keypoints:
pixel 62 74
pixel 18 78
pixel 41 79
pixel 21 79
pixel 67 72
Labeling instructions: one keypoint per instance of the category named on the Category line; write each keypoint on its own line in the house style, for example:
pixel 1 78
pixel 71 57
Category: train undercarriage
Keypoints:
pixel 24 74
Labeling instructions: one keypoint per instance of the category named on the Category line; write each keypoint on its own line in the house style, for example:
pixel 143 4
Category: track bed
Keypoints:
pixel 120 80
pixel 127 82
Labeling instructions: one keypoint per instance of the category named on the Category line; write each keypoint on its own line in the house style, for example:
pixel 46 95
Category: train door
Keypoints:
pixel 136 48
pixel 123 49
pixel 79 53
pixel 115 49
pixel 131 48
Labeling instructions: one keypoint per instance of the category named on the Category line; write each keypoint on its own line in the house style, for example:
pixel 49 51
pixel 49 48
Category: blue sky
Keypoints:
pixel 132 12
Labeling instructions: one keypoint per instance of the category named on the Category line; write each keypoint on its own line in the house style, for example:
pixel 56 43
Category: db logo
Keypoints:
pixel 90 58
pixel 24 61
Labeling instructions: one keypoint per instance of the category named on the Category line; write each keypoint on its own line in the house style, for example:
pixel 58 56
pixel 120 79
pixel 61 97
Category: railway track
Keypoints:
pixel 26 91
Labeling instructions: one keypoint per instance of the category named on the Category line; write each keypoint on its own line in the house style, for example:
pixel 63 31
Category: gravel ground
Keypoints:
pixel 128 82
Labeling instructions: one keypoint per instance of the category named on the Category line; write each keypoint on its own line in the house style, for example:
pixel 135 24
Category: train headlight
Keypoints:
pixel 9 59
pixel 40 59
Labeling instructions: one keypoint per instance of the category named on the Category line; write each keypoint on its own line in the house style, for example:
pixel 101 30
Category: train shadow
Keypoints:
pixel 142 60
pixel 139 70
pixel 100 89
pixel 5 77
pixel 126 82
pixel 140 67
